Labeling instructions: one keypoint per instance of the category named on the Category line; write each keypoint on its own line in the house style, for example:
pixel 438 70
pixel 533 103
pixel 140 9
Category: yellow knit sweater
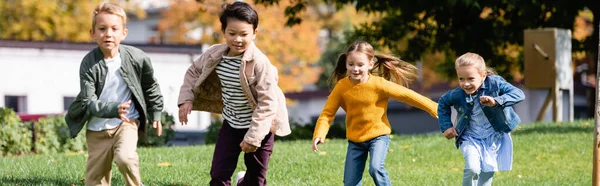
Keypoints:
pixel 366 105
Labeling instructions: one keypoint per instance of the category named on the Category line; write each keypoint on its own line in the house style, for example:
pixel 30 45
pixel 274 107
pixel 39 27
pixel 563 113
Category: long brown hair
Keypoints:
pixel 387 66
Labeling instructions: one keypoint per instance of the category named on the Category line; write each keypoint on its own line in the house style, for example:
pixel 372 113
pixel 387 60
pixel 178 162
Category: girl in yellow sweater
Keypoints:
pixel 364 86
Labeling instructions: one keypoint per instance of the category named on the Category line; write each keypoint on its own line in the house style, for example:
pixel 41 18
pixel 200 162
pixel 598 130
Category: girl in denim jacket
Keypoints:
pixel 485 118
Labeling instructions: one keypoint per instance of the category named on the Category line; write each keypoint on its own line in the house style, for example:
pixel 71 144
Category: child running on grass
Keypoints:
pixel 363 89
pixel 119 96
pixel 237 80
pixel 485 118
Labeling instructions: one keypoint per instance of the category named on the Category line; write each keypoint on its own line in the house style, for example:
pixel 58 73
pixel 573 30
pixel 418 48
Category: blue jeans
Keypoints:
pixel 356 157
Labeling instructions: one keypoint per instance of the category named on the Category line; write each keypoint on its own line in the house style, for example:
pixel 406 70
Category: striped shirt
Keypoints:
pixel 237 110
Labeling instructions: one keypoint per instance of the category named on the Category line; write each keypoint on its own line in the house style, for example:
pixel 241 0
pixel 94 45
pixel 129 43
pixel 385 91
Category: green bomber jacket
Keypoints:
pixel 137 72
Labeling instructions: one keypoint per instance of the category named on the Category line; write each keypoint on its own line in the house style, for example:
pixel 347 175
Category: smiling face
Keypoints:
pixel 470 78
pixel 108 32
pixel 238 35
pixel 358 65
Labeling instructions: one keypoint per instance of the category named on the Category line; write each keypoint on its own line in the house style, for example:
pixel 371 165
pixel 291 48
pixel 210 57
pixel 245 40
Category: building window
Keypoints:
pixel 17 103
pixel 67 100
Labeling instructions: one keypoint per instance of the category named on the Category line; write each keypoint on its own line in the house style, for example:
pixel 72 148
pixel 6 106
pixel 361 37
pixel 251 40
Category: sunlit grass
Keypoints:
pixel 544 154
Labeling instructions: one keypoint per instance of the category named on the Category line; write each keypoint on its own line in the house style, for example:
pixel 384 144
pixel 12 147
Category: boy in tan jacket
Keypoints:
pixel 238 81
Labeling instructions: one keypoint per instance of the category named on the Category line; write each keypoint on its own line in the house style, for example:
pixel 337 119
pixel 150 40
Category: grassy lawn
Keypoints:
pixel 544 154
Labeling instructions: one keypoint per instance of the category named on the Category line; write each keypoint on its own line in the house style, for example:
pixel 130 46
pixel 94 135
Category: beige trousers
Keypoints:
pixel 118 144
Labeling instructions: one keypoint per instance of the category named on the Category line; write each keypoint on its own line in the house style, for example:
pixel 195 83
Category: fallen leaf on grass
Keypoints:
pixel 586 124
pixel 322 153
pixel 405 146
pixel 454 169
pixel 164 164
pixel 73 153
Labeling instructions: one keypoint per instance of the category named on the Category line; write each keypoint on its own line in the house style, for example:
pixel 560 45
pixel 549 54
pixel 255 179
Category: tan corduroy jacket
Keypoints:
pixel 258 78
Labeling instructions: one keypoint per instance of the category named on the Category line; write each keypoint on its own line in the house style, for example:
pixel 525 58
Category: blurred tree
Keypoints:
pixel 335 22
pixel 492 28
pixel 59 20
pixel 293 50
pixel 183 17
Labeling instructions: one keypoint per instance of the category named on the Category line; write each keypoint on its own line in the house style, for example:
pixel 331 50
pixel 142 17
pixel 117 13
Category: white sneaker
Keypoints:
pixel 239 176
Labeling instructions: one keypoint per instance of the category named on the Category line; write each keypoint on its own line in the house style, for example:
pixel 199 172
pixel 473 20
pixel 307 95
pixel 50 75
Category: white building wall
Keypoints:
pixel 140 31
pixel 45 76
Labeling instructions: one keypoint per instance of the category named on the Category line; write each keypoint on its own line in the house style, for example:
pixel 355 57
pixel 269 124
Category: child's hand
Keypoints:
pixel 487 101
pixel 158 126
pixel 184 110
pixel 123 110
pixel 315 143
pixel 247 148
pixel 450 133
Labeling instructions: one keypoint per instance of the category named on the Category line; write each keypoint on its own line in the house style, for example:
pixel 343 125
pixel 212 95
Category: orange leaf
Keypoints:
pixel 164 164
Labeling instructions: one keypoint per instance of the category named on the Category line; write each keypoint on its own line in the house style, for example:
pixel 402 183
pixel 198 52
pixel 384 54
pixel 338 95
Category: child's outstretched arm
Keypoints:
pixel 509 94
pixel 326 117
pixel 445 114
pixel 403 94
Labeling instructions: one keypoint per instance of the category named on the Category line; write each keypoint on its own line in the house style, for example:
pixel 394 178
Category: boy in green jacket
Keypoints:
pixel 119 94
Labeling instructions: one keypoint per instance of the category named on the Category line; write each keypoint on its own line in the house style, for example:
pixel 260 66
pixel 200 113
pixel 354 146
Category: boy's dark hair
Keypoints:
pixel 238 10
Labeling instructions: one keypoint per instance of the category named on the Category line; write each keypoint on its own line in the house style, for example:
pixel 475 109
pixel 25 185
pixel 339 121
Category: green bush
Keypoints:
pixel 152 140
pixel 15 136
pixel 213 132
pixel 77 144
pixel 52 136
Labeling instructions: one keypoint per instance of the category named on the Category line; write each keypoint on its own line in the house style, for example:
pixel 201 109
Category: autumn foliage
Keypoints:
pixel 65 20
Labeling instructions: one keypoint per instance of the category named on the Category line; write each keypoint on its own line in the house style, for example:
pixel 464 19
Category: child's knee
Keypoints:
pixel 374 170
pixel 126 160
pixel 472 171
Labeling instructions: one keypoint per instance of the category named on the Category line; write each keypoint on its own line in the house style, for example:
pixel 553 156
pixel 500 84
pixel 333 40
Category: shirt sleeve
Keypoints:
pixel 445 111
pixel 328 114
pixel 406 95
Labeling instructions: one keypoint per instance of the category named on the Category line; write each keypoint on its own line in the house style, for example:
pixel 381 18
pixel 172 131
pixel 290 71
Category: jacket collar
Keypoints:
pixel 484 83
pixel 122 54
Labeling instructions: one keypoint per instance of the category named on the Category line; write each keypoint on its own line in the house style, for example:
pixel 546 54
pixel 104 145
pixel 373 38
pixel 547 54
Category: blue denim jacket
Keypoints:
pixel 502 116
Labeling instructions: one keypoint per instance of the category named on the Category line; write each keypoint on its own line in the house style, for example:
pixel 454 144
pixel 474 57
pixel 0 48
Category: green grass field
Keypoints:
pixel 544 154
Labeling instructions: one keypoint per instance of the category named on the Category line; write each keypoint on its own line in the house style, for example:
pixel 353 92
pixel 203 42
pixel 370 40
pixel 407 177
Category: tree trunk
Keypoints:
pixel 596 160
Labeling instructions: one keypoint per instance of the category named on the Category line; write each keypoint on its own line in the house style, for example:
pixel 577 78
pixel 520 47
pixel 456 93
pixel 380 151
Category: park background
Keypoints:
pixel 43 42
